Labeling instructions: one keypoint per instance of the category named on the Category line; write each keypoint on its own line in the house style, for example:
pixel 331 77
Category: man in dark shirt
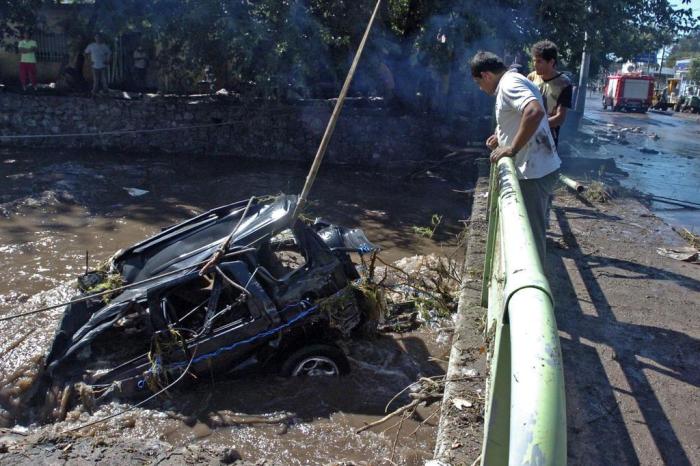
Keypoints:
pixel 555 86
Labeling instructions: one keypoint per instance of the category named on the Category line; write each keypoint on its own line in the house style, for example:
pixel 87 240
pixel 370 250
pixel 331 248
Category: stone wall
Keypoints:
pixel 366 133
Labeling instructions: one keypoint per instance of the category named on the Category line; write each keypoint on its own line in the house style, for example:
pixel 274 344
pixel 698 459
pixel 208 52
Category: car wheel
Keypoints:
pixel 316 360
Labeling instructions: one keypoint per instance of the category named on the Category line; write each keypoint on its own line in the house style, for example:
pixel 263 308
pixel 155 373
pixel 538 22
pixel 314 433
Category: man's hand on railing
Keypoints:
pixel 492 142
pixel 500 152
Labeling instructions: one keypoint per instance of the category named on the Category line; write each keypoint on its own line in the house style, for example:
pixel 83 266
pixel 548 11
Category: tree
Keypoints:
pixel 694 70
pixel 272 47
pixel 621 28
pixel 687 46
pixel 16 14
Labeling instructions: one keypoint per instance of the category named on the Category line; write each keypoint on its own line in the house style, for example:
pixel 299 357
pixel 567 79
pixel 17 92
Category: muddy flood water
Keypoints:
pixel 56 206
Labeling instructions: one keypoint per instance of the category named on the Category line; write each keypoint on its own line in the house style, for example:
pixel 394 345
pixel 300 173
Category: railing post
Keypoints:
pixel 491 237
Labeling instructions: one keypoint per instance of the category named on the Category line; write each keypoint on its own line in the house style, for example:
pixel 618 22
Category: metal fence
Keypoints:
pixel 51 47
pixel 525 420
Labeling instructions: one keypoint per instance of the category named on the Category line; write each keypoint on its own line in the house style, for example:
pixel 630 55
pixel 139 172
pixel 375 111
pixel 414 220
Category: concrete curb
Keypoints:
pixel 460 431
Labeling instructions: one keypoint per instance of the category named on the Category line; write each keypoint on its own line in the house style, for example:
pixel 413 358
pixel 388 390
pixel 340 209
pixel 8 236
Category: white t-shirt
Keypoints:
pixel 99 54
pixel 539 156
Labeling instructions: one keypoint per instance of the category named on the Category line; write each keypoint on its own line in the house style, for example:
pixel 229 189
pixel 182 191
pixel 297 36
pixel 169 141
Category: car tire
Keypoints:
pixel 316 360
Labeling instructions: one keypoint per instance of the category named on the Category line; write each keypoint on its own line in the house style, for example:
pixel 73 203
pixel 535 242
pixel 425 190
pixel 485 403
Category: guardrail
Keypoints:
pixel 525 419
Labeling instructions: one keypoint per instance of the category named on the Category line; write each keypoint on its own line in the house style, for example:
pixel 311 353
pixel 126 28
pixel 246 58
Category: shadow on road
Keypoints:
pixel 597 430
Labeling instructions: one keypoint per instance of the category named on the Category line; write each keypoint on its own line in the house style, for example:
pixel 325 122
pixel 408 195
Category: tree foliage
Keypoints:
pixel 686 47
pixel 14 14
pixel 271 46
pixel 694 70
pixel 623 28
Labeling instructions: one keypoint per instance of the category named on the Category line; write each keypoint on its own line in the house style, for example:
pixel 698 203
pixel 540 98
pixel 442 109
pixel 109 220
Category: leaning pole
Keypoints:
pixel 311 177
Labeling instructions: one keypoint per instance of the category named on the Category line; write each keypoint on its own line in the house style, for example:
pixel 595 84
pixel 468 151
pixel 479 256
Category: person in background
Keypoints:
pixel 140 67
pixel 555 87
pixel 523 133
pixel 99 56
pixel 27 60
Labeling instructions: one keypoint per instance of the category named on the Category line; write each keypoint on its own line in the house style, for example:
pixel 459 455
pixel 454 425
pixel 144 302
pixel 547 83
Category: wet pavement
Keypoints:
pixel 667 165
pixel 59 209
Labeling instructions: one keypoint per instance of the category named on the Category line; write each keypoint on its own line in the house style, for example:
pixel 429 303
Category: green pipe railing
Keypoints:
pixel 525 420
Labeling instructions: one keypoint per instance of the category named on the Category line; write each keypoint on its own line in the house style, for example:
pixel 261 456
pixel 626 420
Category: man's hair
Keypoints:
pixel 546 49
pixel 486 61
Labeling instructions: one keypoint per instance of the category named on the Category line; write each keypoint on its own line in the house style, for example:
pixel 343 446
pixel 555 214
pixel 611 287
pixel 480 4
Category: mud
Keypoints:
pixel 55 207
pixel 629 333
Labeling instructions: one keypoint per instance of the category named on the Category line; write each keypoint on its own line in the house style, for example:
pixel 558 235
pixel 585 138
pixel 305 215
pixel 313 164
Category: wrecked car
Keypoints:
pixel 281 294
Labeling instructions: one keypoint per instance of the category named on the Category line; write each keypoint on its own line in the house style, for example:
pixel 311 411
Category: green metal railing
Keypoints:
pixel 525 420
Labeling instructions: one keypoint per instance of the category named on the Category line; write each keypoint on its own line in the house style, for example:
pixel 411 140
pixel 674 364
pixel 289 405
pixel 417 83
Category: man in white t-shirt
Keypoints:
pixel 99 56
pixel 522 132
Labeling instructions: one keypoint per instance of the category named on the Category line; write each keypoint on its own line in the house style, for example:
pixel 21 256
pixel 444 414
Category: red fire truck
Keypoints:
pixel 628 91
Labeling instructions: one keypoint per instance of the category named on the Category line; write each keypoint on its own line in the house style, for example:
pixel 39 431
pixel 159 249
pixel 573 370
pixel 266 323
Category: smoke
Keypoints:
pixel 303 48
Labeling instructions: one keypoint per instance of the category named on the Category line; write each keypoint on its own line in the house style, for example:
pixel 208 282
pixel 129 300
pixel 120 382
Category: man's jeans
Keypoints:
pixel 537 194
pixel 99 79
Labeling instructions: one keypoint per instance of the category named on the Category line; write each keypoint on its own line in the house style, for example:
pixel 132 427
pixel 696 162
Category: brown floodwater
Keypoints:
pixel 57 208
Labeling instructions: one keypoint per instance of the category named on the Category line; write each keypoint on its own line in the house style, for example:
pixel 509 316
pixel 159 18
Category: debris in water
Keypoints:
pixel 136 192
pixel 278 296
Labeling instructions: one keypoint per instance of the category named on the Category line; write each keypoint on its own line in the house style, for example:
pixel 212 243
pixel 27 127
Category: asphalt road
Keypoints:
pixel 668 166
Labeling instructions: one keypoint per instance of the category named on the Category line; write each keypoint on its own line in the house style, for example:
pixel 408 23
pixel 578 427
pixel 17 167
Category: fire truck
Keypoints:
pixel 629 90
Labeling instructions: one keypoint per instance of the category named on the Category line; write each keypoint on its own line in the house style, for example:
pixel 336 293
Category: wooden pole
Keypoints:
pixel 311 177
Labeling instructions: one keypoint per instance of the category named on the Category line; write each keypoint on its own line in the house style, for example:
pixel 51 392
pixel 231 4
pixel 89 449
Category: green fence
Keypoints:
pixel 525 420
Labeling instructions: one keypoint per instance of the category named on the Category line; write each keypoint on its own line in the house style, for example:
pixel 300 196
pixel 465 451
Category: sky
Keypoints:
pixel 694 4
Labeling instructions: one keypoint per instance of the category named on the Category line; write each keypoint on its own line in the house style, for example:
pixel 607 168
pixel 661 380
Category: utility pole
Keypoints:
pixel 583 80
pixel 663 55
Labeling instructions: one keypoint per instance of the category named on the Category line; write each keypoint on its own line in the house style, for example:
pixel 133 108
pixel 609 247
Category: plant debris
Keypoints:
pixel 598 192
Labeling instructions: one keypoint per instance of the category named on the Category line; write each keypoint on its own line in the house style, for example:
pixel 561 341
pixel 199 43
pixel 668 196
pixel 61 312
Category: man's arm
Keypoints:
pixel 530 121
pixel 558 118
pixel 29 49
pixel 563 103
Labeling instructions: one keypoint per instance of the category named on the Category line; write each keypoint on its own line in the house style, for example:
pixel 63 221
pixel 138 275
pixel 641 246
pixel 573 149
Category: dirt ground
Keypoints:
pixel 48 450
pixel 629 333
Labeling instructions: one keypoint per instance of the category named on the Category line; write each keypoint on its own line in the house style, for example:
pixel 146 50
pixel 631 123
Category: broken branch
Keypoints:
pixel 399 411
